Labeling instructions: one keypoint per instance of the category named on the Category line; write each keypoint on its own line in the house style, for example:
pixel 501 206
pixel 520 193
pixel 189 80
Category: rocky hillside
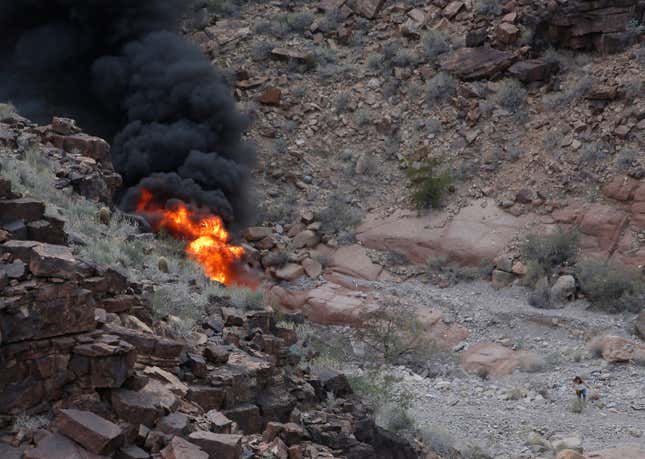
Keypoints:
pixel 89 369
pixel 451 227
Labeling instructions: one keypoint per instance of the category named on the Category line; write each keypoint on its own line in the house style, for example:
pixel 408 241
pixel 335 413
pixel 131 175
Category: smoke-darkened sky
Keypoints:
pixel 120 68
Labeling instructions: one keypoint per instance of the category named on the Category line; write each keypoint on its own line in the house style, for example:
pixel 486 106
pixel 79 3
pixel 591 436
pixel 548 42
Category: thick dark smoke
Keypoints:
pixel 120 68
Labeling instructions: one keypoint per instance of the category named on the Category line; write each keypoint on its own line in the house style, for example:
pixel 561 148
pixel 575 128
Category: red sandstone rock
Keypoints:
pixel 96 434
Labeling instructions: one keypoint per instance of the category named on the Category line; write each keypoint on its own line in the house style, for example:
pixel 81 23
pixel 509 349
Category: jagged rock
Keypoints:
pixel 94 433
pixel 334 381
pixel 137 407
pixel 585 25
pixel 26 209
pixel 221 446
pixel 182 449
pixel 276 404
pixel 64 126
pixel 452 9
pixel 173 424
pixel 85 145
pixel 507 33
pixel 564 288
pixel 151 349
pixel 218 422
pixel 255 233
pixel 306 238
pixel 15 270
pixel 290 272
pixel 48 260
pixel 368 8
pixel 533 70
pixel 476 63
pixel 247 417
pixel 207 397
pixel 106 362
pixel 56 446
pixel 131 452
pixel 312 267
pixel 216 354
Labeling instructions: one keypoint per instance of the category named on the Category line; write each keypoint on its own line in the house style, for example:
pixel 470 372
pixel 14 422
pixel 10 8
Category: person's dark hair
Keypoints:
pixel 577 380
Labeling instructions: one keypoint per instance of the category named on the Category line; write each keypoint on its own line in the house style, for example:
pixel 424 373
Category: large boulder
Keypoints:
pixel 477 63
pixel 617 349
pixel 93 432
pixel 56 446
pixel 533 70
pixel 490 359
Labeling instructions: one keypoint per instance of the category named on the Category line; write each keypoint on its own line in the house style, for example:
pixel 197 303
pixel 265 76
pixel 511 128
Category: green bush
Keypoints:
pixel 611 287
pixel 543 254
pixel 429 183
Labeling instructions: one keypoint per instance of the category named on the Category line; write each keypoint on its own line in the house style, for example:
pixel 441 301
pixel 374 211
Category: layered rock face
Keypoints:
pixel 77 343
pixel 606 26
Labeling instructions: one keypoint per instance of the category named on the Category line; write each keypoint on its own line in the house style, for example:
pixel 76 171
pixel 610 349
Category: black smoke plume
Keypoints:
pixel 121 68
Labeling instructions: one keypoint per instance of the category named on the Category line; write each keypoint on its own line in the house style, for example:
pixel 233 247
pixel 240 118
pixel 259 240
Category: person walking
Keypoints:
pixel 581 388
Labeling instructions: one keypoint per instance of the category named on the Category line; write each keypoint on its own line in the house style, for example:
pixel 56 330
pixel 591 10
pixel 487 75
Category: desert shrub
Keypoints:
pixel 331 21
pixel 632 89
pixel 404 58
pixel 6 110
pixel 339 214
pixel 429 183
pixel 551 140
pixel 455 273
pixel 298 22
pixel 540 297
pixel 611 287
pixel 435 42
pixel 375 61
pixel 261 51
pixel 437 440
pixel 363 118
pixel 280 146
pixel 392 332
pixel 487 7
pixel 439 88
pixel 246 299
pixel 634 28
pixel 511 95
pixel 626 159
pixel 394 418
pixel 532 363
pixel 582 84
pixel 592 154
pixel 341 102
pixel 545 253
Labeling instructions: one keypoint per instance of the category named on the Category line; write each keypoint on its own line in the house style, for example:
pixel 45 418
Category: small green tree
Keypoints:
pixel 429 183
pixel 393 331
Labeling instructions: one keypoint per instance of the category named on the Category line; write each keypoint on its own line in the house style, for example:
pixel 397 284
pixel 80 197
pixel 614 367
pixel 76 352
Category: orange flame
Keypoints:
pixel 208 239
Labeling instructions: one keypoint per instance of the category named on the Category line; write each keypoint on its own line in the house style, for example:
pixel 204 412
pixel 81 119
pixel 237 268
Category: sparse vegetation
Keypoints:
pixel 543 254
pixel 611 287
pixel 440 87
pixel 454 273
pixel 261 51
pixel 487 7
pixel 339 215
pixel 6 110
pixel 429 183
pixel 511 95
pixel 435 42
pixel 392 332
